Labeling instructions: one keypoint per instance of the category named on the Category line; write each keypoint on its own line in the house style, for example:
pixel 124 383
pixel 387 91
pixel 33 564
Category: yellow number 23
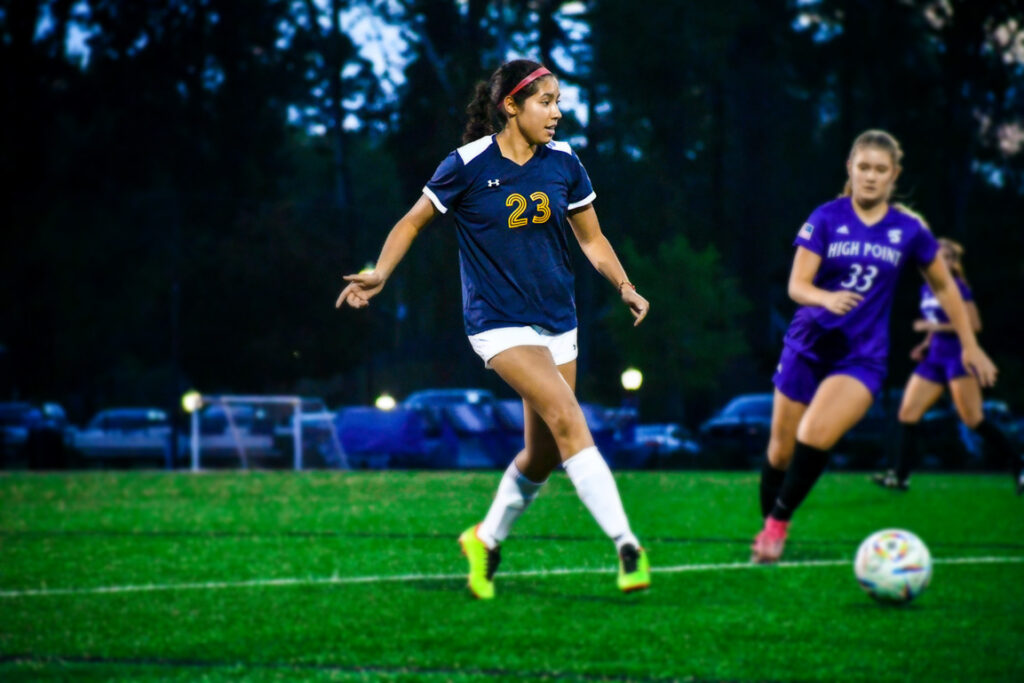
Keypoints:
pixel 516 220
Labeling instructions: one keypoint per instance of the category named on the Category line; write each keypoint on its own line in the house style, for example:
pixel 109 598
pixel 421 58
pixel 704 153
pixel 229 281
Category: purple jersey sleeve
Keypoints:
pixel 812 234
pixel 924 247
pixel 448 183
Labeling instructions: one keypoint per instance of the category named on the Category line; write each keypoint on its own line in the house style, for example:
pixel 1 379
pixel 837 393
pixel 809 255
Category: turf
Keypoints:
pixel 157 576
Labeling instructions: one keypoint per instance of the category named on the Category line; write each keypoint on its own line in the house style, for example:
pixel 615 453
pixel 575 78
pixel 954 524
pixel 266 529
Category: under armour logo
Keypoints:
pixel 493 183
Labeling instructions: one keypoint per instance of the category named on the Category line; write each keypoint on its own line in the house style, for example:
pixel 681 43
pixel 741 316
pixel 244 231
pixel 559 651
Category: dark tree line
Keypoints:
pixel 167 227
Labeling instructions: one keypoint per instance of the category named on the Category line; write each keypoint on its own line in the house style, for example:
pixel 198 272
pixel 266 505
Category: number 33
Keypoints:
pixel 855 272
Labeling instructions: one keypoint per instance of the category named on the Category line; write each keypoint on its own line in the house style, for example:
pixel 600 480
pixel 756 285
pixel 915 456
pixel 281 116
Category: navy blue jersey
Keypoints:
pixel 863 259
pixel 511 225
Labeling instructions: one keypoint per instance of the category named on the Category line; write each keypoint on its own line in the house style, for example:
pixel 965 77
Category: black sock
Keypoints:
pixel 906 456
pixel 1000 445
pixel 808 464
pixel 771 482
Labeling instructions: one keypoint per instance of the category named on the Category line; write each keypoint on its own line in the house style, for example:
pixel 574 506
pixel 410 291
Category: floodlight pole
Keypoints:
pixel 195 440
pixel 297 433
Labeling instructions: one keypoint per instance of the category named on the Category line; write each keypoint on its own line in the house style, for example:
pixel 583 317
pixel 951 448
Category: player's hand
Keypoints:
pixel 921 325
pixel 360 289
pixel 917 353
pixel 978 362
pixel 638 305
pixel 842 302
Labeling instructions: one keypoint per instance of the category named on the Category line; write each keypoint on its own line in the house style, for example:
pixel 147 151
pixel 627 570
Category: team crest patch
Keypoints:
pixel 895 236
pixel 806 231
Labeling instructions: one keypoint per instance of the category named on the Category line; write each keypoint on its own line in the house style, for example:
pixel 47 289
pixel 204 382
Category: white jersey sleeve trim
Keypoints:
pixel 583 202
pixel 471 150
pixel 560 146
pixel 434 200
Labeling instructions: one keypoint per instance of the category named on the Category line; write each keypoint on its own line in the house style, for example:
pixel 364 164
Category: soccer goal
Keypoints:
pixel 250 428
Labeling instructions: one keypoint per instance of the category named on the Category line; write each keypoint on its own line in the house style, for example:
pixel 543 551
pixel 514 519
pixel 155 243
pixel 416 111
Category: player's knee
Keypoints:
pixel 563 421
pixel 780 452
pixel 972 419
pixel 908 415
pixel 818 436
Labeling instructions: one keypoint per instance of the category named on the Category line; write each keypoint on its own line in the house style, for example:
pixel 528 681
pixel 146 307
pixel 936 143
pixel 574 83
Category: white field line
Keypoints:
pixel 403 578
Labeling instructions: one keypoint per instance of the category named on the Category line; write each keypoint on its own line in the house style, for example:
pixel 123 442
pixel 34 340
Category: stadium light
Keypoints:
pixel 385 402
pixel 191 401
pixel 632 379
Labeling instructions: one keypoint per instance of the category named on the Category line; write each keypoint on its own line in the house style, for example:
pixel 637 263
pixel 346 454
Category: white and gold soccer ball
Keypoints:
pixel 893 565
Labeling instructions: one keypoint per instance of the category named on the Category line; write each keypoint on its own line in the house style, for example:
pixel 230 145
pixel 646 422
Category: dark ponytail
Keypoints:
pixel 486 112
pixel 480 122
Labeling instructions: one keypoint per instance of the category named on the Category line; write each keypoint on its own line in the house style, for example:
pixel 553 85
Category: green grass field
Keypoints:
pixel 357 576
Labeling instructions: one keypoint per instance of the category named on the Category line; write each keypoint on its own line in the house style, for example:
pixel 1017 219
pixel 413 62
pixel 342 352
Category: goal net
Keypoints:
pixel 255 430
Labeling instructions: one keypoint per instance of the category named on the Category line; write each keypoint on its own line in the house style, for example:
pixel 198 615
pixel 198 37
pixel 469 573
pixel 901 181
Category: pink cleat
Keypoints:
pixel 768 544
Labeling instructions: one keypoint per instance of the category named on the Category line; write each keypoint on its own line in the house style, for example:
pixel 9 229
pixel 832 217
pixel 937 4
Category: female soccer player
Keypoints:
pixel 511 194
pixel 939 365
pixel 848 257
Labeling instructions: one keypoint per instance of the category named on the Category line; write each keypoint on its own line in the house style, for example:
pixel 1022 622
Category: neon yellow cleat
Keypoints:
pixel 634 569
pixel 483 562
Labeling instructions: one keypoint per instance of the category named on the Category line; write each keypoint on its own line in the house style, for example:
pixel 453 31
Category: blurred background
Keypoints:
pixel 186 181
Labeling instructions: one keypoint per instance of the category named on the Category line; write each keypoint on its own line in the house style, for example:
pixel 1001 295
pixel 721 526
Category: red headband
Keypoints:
pixel 528 80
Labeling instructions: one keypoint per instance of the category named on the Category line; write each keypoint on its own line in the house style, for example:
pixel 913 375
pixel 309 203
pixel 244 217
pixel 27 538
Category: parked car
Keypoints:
pixel 381 439
pixel 16 419
pixel 38 437
pixel 670 445
pixel 737 435
pixel 128 435
pixel 249 419
pixel 447 397
pixel 474 418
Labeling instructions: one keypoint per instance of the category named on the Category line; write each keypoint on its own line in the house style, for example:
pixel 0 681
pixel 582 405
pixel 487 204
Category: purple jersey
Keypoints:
pixel 862 259
pixel 944 345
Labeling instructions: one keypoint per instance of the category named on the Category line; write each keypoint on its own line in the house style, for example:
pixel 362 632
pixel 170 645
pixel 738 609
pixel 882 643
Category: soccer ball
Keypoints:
pixel 893 565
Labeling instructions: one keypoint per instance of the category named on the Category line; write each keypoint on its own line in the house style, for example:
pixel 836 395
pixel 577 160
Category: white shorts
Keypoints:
pixel 490 343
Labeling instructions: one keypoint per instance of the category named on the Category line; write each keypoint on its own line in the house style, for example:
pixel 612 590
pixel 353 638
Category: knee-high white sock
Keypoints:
pixel 596 488
pixel 515 493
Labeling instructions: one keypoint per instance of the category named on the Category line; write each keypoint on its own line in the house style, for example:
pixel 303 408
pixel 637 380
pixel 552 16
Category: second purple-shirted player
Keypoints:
pixel 943 362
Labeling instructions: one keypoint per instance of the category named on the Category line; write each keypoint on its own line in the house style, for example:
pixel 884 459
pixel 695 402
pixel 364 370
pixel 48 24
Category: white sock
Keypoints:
pixel 596 488
pixel 515 493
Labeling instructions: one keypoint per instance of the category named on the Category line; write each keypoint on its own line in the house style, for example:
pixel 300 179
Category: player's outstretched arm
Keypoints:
pixel 945 290
pixel 599 252
pixel 362 287
pixel 803 291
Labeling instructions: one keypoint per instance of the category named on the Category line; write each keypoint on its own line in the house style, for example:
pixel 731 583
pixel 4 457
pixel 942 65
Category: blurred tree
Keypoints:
pixel 702 131
pixel 692 336
pixel 188 179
